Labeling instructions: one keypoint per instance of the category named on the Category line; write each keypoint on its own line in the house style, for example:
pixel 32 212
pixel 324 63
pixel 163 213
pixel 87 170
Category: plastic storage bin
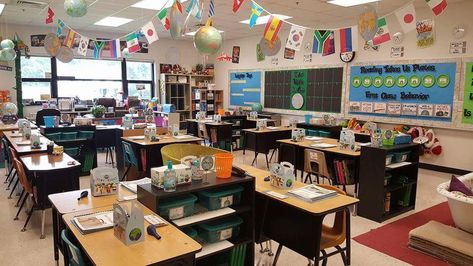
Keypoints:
pixel 401 156
pixel 220 198
pixel 54 136
pixel 85 134
pixel 311 132
pixel 389 159
pixel 68 135
pixel 307 118
pixel 49 121
pixel 387 179
pixel 177 207
pixel 324 134
pixel 191 232
pixel 220 230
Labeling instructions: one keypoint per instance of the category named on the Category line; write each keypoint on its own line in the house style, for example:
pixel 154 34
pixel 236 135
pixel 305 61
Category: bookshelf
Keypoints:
pixel 383 198
pixel 205 97
pixel 176 90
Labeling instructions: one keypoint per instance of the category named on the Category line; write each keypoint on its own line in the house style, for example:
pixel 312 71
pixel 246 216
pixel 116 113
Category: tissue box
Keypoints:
pixel 183 173
pixel 103 181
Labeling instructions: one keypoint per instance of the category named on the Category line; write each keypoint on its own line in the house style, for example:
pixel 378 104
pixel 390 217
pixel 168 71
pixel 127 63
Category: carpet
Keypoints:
pixel 392 239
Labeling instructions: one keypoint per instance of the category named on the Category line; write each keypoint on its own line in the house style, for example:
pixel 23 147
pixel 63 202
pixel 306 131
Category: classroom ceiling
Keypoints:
pixel 310 13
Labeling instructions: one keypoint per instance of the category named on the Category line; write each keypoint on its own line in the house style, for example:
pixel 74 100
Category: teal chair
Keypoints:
pixel 74 253
pixel 68 135
pixel 54 136
pixel 311 132
pixel 130 158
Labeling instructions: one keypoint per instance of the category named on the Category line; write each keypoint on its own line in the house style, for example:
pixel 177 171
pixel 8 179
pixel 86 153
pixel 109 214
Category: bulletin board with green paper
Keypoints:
pixel 467 110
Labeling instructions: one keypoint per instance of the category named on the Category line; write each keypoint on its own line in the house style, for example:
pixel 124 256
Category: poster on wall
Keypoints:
pixel 37 40
pixel 467 112
pixel 298 89
pixel 425 33
pixel 416 91
pixel 245 88
pixel 236 54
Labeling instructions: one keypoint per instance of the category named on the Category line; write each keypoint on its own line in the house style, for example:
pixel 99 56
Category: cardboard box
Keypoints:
pixel 183 173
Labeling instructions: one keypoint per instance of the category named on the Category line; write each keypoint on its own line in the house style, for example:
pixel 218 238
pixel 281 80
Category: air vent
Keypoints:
pixel 29 4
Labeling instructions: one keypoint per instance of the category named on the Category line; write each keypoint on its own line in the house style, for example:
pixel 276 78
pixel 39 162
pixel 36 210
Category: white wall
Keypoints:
pixel 455 152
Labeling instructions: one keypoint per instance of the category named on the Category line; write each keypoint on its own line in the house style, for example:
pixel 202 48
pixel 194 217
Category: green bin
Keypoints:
pixel 220 198
pixel 220 230
pixel 68 135
pixel 177 207
pixel 189 231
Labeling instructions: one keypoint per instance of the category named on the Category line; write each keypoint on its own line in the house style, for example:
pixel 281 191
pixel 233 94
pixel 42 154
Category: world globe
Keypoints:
pixel 7 44
pixel 9 109
pixel 257 107
pixel 75 8
pixel 208 40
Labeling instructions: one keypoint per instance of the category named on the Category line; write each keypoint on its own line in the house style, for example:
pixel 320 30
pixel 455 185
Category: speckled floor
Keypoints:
pixel 25 248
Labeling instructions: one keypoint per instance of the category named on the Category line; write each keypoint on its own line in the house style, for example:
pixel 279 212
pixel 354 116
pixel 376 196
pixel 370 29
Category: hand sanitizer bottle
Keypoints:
pixel 170 179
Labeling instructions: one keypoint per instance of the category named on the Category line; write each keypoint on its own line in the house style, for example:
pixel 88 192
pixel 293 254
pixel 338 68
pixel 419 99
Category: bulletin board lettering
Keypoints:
pixel 245 88
pixel 467 112
pixel 415 91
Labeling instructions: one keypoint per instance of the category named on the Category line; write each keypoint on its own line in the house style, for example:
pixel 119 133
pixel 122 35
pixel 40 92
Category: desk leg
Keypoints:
pixel 254 160
pixel 348 237
pixel 55 234
pixel 317 240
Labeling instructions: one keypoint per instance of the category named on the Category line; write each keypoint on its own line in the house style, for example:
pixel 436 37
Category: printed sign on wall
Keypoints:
pixel 245 88
pixel 419 91
pixel 298 89
pixel 467 112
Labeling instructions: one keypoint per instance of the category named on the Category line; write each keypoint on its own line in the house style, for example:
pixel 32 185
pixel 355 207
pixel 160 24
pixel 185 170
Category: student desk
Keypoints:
pixel 10 127
pixel 193 125
pixel 51 174
pixel 12 138
pixel 334 130
pixel 103 248
pixel 148 153
pixel 66 202
pixel 292 222
pixel 119 133
pixel 262 141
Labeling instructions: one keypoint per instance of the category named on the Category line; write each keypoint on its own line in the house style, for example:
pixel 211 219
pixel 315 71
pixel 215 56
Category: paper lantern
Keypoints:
pixel 8 54
pixel 65 54
pixel 7 44
pixel 269 48
pixel 368 23
pixel 52 44
pixel 208 40
pixel 177 23
pixel 126 53
pixel 75 8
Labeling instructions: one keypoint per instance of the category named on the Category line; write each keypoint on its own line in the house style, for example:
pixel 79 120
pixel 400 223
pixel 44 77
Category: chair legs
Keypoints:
pixel 126 172
pixel 21 206
pixel 276 257
pixel 21 196
pixel 11 180
pixel 108 155
pixel 10 170
pixel 13 189
pixel 43 218
pixel 28 219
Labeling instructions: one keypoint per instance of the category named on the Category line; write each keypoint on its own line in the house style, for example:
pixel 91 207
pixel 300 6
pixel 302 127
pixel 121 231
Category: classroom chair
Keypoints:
pixel 74 253
pixel 174 152
pixel 8 161
pixel 130 158
pixel 46 112
pixel 315 164
pixel 13 156
pixel 221 135
pixel 202 132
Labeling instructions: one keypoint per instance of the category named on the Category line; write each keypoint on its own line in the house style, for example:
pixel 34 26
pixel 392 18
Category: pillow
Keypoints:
pixel 457 185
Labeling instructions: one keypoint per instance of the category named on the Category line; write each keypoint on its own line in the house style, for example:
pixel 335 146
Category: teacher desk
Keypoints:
pixel 264 140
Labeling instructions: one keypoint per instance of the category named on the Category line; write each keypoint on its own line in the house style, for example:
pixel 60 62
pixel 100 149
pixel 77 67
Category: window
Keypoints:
pixel 36 77
pixel 90 69
pixel 140 79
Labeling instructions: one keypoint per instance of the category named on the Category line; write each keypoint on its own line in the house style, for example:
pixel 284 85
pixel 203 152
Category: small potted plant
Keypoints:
pixel 199 68
pixel 98 111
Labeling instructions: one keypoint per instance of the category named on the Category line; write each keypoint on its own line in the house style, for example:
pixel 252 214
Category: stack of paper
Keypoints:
pixel 133 185
pixel 312 193
pixel 93 222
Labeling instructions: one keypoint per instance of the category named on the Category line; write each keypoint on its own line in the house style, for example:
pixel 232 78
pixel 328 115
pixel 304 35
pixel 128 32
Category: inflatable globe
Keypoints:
pixel 9 109
pixel 8 54
pixel 208 40
pixel 65 54
pixel 257 107
pixel 52 44
pixel 75 8
pixel 368 23
pixel 7 44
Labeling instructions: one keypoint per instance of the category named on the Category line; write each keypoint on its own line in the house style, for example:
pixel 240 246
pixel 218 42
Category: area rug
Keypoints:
pixel 392 239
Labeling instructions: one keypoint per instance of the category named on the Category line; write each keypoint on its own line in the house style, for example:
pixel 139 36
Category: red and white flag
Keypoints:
pixel 50 17
pixel 236 5
pixel 407 18
pixel 438 6
pixel 150 32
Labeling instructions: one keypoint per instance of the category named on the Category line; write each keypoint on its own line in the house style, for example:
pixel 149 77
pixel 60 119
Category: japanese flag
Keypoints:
pixel 150 32
pixel 407 18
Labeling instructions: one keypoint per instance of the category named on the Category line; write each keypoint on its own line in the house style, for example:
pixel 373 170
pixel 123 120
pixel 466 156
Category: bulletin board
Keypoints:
pixel 245 88
pixel 423 91
pixel 317 89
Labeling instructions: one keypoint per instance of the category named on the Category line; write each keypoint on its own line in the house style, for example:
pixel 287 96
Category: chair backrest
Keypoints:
pixel 45 112
pixel 75 255
pixel 339 223
pixel 107 102
pixel 6 150
pixel 20 170
pixel 202 132
pixel 13 153
pixel 287 153
pixel 129 154
pixel 315 157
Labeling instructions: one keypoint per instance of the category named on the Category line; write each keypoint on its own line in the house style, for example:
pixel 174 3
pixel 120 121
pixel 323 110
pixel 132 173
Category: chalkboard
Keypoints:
pixel 321 89
pixel 245 88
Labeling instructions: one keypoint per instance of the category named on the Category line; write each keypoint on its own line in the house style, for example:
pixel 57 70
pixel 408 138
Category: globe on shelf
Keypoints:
pixel 75 8
pixel 208 40
pixel 9 109
pixel 7 44
pixel 257 107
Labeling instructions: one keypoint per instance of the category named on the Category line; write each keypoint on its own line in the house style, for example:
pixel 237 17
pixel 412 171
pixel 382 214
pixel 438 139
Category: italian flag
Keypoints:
pixel 162 16
pixel 438 6
pixel 382 35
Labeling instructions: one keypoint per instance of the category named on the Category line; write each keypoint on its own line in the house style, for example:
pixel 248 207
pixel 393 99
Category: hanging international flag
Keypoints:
pixel 272 28
pixel 349 39
pixel 162 16
pixel 211 9
pixel 83 46
pixel 324 42
pixel 50 17
pixel 406 17
pixel 132 43
pixel 177 4
pixel 98 46
pixel 382 35
pixel 60 26
pixel 115 51
pixel 296 35
pixel 256 11
pixel 195 9
pixel 150 32
pixel 437 6
pixel 236 5
pixel 70 38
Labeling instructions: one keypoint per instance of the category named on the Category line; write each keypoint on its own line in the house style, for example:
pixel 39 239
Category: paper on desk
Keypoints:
pixel 323 145
pixel 137 137
pixel 313 138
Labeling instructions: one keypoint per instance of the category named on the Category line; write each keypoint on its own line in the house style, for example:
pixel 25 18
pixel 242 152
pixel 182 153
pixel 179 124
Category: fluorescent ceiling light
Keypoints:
pixel 192 33
pixel 154 4
pixel 2 6
pixel 348 3
pixel 264 19
pixel 113 21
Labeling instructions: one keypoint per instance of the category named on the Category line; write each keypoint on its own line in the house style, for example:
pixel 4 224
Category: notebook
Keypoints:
pixel 183 137
pixel 323 145
pixel 313 138
pixel 23 143
pixel 312 193
pixel 133 185
pixel 93 222
pixel 272 128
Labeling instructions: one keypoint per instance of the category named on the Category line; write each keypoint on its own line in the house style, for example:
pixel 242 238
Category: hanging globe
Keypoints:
pixel 75 8
pixel 208 40
pixel 9 109
pixel 126 53
pixel 2 56
pixel 368 23
pixel 65 54
pixel 257 107
pixel 7 44
pixel 52 44
pixel 9 54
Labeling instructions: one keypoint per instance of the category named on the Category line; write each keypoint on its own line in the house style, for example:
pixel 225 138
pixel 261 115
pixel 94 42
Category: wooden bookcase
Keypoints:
pixel 204 96
pixel 150 196
pixel 176 89
pixel 375 204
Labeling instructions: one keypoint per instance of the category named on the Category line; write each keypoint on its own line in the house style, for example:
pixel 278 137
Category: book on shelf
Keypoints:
pixel 93 222
pixel 312 193
pixel 344 172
